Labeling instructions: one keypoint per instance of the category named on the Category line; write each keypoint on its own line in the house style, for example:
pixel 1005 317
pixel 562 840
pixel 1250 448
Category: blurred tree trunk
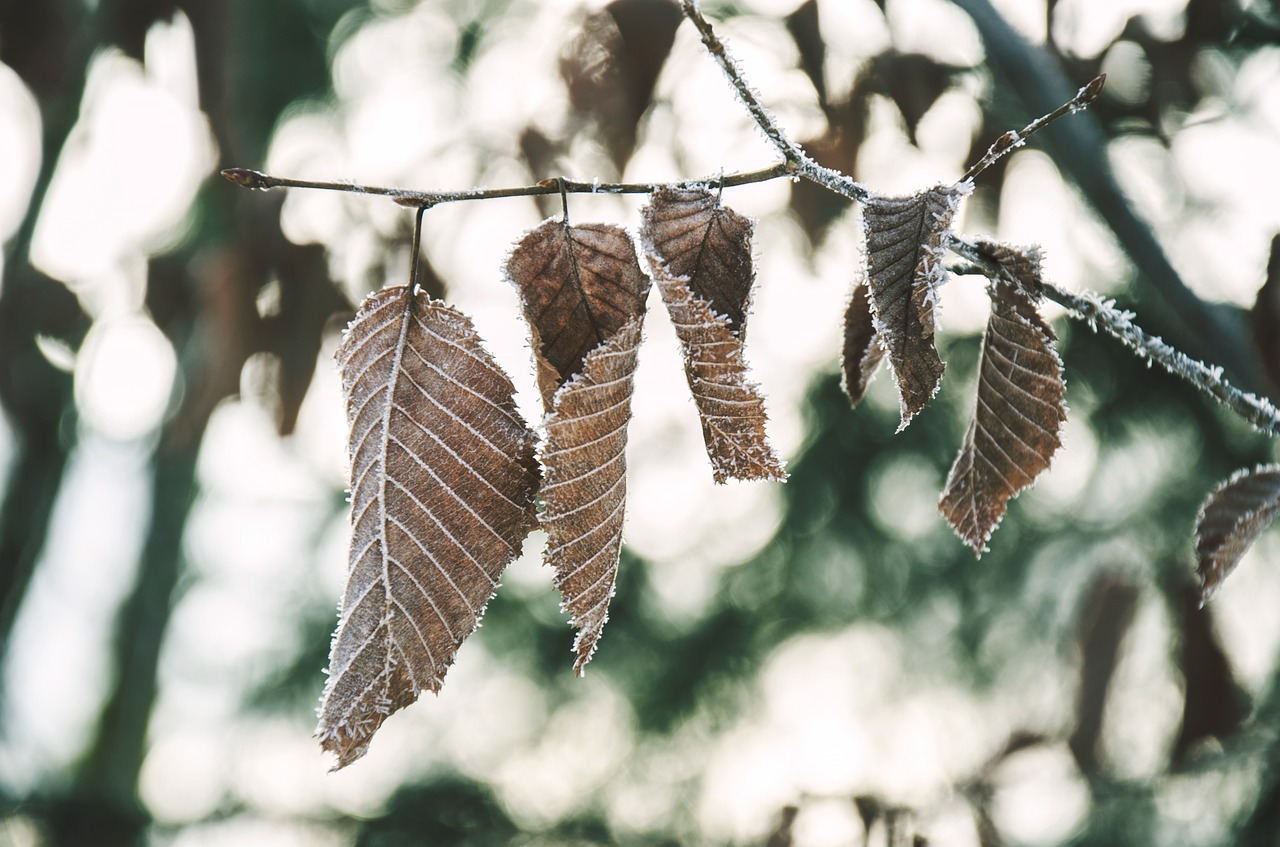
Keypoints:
pixel 47 45
pixel 204 298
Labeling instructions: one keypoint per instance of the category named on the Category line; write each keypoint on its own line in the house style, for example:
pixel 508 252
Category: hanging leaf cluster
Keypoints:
pixel 447 479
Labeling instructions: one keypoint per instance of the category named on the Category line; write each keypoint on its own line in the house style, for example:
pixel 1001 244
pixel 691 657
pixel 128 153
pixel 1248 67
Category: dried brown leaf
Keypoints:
pixel 1230 521
pixel 585 490
pixel 584 296
pixel 700 254
pixel 906 238
pixel 578 285
pixel 862 350
pixel 1016 426
pixel 443 476
pixel 687 234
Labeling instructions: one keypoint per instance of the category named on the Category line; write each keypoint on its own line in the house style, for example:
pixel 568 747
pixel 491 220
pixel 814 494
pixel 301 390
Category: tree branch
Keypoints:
pixel 425 199
pixel 1090 307
pixel 1035 81
pixel 799 161
pixel 1102 315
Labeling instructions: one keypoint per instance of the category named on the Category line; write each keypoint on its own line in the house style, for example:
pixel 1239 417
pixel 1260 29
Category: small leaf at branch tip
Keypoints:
pixel 1091 91
pixel 246 178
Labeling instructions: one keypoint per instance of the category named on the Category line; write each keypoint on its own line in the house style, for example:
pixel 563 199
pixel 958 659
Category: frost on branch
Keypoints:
pixel 862 350
pixel 1231 520
pixel 1017 422
pixel 443 477
pixel 700 254
pixel 584 295
pixel 905 244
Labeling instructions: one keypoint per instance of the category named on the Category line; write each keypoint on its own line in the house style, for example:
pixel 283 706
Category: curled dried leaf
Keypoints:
pixel 687 234
pixel 1017 422
pixel 578 285
pixel 700 254
pixel 585 490
pixel 1230 521
pixel 584 297
pixel 906 243
pixel 862 350
pixel 443 477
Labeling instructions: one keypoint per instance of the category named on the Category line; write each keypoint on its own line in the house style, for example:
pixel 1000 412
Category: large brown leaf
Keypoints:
pixel 862 350
pixel 585 490
pixel 700 254
pixel 1230 521
pixel 443 476
pixel 906 243
pixel 1016 426
pixel 578 285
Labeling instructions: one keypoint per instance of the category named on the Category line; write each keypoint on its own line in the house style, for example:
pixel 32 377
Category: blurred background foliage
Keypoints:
pixel 820 663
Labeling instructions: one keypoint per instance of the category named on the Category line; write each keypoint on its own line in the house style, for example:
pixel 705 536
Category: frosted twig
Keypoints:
pixel 797 161
pixel 1102 315
pixel 426 199
pixel 1014 139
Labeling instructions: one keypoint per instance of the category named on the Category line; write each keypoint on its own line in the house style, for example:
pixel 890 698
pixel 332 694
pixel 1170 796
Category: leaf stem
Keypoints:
pixel 1102 315
pixel 426 199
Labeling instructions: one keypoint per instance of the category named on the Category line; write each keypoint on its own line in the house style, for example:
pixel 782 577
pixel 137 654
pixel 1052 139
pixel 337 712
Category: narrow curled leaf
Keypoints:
pixel 578 285
pixel 443 476
pixel 584 296
pixel 906 243
pixel 1016 426
pixel 585 490
pixel 1230 521
pixel 700 254
pixel 862 350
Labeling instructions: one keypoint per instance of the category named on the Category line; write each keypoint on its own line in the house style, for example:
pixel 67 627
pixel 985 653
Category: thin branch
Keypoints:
pixel 1102 315
pixel 426 199
pixel 1013 139
pixel 798 162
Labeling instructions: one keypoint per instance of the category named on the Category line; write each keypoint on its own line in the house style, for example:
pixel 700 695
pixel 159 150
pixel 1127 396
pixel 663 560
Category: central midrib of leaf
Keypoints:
pixel 922 232
pixel 576 274
pixel 392 384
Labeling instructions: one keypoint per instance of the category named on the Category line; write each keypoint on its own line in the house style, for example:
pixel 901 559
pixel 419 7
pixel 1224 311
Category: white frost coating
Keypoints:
pixel 1100 312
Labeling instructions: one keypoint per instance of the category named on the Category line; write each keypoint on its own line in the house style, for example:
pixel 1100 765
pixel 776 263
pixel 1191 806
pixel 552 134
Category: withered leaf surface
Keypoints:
pixel 906 241
pixel 700 255
pixel 1017 424
pixel 578 285
pixel 687 233
pixel 862 350
pixel 1230 521
pixel 585 489
pixel 443 476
